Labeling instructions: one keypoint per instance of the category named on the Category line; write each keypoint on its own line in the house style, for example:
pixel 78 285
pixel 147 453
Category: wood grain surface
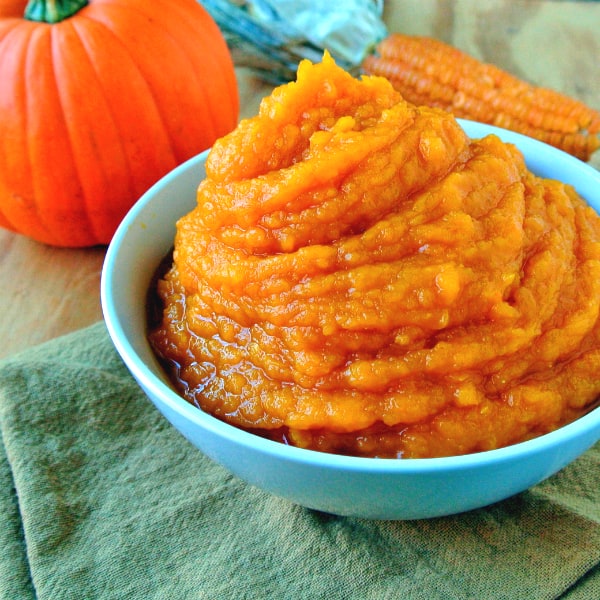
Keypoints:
pixel 47 292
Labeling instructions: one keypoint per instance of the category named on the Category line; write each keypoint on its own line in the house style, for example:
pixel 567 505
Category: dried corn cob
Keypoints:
pixel 428 71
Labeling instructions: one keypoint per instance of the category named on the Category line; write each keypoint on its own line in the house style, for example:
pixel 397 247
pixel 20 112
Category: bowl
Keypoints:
pixel 343 485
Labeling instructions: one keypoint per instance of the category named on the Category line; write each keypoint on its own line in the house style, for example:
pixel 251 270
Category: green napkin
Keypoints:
pixel 101 498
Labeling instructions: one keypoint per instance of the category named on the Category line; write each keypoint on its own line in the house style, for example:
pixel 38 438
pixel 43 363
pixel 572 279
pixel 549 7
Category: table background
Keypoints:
pixel 46 292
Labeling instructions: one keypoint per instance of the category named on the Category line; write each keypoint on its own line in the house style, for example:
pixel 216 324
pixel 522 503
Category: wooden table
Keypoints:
pixel 46 292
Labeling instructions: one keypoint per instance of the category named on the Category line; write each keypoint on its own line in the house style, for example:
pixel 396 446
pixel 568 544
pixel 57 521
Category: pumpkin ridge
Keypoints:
pixel 183 35
pixel 130 188
pixel 75 219
pixel 228 85
pixel 30 108
pixel 142 156
pixel 209 123
pixel 92 172
pixel 39 196
pixel 104 19
pixel 13 50
pixel 91 18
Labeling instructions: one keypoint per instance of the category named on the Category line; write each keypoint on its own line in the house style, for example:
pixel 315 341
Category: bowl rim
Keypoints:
pixel 153 385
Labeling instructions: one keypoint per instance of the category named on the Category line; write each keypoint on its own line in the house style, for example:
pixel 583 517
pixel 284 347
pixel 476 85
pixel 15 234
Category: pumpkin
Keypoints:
pixel 12 8
pixel 99 100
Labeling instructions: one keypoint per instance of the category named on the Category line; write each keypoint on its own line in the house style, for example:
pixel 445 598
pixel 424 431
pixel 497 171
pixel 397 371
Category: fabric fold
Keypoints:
pixel 15 581
pixel 101 498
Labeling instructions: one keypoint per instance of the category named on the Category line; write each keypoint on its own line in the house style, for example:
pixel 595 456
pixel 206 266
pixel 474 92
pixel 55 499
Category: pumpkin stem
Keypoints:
pixel 52 11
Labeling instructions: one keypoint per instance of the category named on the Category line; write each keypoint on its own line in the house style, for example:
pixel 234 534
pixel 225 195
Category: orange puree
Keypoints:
pixel 360 277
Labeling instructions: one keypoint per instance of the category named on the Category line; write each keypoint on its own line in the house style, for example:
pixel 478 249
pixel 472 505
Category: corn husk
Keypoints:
pixel 272 36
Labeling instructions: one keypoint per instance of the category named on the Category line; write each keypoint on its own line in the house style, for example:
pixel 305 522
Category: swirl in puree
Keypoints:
pixel 360 277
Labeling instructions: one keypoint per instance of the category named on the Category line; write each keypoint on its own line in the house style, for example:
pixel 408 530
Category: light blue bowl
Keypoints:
pixel 359 487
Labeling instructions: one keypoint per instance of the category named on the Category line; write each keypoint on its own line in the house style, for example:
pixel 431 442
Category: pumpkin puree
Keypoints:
pixel 360 277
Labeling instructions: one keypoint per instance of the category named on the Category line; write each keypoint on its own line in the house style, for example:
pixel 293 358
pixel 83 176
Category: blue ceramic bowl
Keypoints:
pixel 360 487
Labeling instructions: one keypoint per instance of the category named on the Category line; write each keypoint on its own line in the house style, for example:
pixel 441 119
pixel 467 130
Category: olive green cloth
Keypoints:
pixel 101 498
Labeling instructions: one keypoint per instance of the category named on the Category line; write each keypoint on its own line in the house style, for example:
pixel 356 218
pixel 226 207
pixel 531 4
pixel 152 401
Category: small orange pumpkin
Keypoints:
pixel 98 104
